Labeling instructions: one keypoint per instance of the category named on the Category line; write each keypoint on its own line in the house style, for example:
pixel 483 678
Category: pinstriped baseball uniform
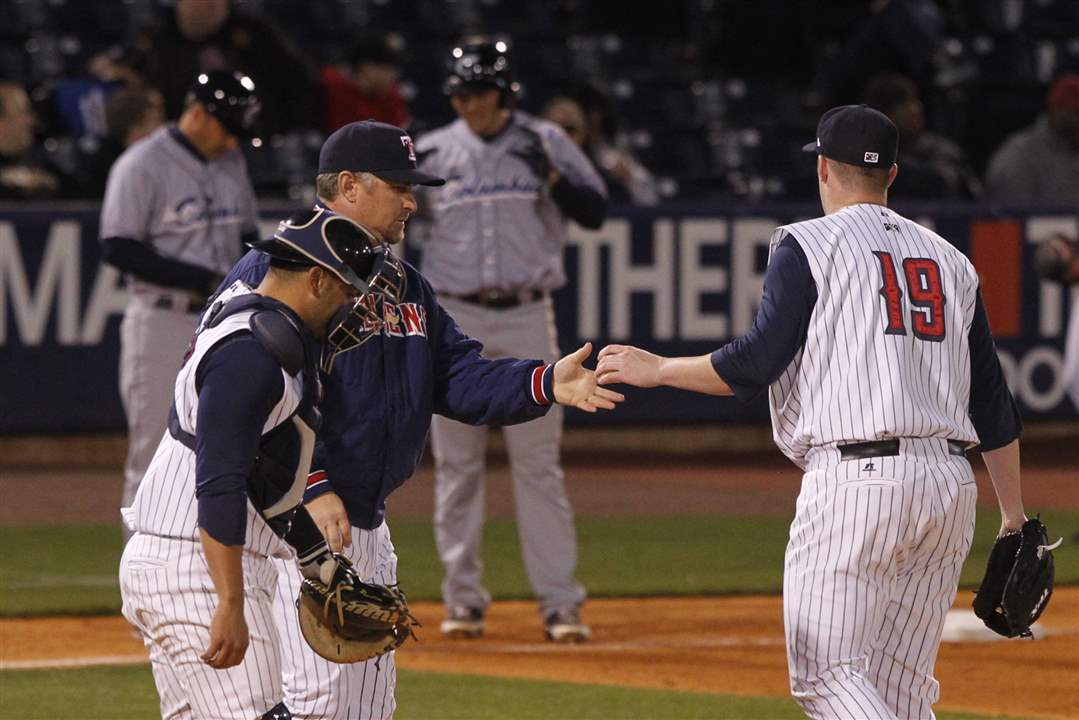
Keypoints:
pixel 875 349
pixel 173 221
pixel 876 542
pixel 165 582
pixel 921 384
pixel 360 691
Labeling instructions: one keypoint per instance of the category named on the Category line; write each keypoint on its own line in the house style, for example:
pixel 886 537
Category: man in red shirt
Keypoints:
pixel 368 90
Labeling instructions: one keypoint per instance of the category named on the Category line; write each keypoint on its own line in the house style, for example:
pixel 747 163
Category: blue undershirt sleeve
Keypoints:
pixel 142 261
pixel 751 363
pixel 239 384
pixel 993 411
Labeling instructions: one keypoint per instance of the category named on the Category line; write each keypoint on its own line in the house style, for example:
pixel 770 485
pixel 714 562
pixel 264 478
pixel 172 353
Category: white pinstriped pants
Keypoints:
pixel 871 568
pixel 169 596
pixel 319 689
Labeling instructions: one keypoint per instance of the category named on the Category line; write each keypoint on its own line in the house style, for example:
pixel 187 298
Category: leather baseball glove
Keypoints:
pixel 1053 257
pixel 1018 580
pixel 346 620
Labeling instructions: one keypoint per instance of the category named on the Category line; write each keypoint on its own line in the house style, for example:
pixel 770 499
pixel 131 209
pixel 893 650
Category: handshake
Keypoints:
pixel 583 389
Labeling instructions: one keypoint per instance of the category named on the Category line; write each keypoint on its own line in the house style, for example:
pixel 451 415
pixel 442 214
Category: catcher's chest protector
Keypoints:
pixel 279 475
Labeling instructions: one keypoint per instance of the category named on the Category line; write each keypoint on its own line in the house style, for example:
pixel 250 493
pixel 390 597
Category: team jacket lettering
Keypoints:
pixel 378 401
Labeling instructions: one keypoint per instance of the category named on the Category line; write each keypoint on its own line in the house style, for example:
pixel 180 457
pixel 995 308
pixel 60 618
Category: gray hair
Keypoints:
pixel 326 183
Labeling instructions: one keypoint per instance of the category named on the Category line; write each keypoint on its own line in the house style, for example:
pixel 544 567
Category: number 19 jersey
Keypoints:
pixel 886 352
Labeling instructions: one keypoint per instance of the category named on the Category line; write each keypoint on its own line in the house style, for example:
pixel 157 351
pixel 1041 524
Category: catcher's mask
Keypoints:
pixel 348 250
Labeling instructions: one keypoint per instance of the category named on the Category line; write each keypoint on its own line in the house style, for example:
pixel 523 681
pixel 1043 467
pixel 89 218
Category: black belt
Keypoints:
pixel 499 300
pixel 178 304
pixel 887 448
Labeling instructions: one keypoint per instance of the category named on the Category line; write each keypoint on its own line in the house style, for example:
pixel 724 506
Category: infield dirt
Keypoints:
pixel 730 645
pixel 721 645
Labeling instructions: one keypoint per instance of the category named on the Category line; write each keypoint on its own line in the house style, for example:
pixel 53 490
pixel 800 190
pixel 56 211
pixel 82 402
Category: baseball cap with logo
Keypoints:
pixel 856 135
pixel 378 148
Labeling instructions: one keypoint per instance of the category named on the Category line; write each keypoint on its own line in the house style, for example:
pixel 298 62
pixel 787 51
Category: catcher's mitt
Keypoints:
pixel 1053 257
pixel 346 620
pixel 1018 580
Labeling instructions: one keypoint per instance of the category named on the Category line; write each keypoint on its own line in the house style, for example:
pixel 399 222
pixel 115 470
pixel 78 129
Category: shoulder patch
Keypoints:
pixel 277 334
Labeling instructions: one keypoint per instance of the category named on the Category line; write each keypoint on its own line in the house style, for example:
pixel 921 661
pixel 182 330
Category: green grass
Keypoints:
pixel 96 693
pixel 123 693
pixel 73 569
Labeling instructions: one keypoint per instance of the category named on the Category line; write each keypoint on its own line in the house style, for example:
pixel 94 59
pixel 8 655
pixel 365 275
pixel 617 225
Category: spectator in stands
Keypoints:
pixel 79 100
pixel 367 90
pixel 1040 164
pixel 24 173
pixel 130 114
pixel 203 35
pixel 930 165
pixel 886 36
pixel 627 180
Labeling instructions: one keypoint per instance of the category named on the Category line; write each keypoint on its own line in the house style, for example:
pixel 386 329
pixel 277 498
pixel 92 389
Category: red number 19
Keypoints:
pixel 926 297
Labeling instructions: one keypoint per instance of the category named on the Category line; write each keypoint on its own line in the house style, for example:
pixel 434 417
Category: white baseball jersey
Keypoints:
pixel 165 504
pixel 886 352
pixel 165 580
pixel 870 329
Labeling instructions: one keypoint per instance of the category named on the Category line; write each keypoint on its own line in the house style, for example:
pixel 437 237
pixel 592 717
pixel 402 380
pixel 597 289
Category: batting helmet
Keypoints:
pixel 230 97
pixel 480 62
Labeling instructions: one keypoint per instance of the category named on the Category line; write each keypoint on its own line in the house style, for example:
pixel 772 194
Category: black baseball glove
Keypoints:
pixel 346 620
pixel 1018 580
pixel 533 153
pixel 1053 257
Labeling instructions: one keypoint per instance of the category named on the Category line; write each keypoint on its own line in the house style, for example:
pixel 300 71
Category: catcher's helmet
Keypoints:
pixel 347 249
pixel 230 97
pixel 480 62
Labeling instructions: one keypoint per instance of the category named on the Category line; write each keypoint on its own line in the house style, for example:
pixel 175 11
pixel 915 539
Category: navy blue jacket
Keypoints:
pixel 378 401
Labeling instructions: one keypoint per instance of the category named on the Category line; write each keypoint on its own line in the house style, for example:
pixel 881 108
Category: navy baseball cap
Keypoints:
pixel 378 148
pixel 856 135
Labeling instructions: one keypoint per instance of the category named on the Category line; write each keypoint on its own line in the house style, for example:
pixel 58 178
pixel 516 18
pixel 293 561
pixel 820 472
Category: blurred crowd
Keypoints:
pixel 705 99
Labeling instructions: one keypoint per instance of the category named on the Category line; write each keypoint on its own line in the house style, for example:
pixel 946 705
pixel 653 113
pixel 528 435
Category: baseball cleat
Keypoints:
pixel 565 626
pixel 463 623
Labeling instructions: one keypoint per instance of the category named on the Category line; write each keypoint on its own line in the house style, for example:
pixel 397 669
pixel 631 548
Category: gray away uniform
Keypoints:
pixel 493 251
pixel 172 216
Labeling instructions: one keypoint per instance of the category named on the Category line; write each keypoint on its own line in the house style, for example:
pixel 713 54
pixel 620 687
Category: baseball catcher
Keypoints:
pixel 1018 580
pixel 346 620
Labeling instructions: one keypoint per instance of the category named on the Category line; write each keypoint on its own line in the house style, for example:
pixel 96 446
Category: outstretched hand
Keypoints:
pixel 576 385
pixel 629 365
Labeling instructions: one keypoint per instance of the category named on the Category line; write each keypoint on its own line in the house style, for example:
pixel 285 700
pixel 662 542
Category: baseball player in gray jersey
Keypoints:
pixel 493 252
pixel 873 345
pixel 178 207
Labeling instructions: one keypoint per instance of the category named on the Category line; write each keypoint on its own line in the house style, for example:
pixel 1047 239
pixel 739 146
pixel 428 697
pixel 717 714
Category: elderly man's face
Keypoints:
pixel 381 206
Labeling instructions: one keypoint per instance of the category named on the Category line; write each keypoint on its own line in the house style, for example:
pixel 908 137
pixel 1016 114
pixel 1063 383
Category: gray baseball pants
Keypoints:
pixel 544 516
pixel 152 346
